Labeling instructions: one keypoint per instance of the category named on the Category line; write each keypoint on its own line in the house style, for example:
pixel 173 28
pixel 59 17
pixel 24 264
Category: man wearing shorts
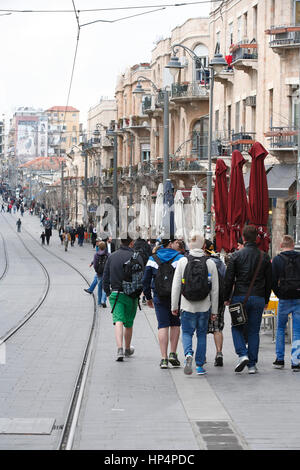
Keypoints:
pixel 124 307
pixel 168 324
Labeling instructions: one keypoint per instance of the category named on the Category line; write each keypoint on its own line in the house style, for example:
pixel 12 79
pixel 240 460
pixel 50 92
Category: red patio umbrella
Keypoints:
pixel 237 200
pixel 258 195
pixel 221 203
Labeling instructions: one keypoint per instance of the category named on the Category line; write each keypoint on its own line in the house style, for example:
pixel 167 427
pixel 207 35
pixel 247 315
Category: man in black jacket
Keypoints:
pixel 239 274
pixel 124 307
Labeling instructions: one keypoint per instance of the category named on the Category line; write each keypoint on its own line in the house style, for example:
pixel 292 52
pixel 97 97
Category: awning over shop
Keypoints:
pixel 279 177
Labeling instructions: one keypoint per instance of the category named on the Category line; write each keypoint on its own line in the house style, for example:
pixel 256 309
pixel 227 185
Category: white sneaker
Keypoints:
pixel 252 370
pixel 243 361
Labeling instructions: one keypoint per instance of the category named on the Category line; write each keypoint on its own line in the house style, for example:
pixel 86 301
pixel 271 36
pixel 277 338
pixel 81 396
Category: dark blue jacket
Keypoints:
pixel 278 269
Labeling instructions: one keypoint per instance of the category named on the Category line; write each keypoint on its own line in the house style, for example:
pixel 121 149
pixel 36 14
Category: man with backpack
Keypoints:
pixel 158 277
pixel 286 286
pixel 122 283
pixel 196 281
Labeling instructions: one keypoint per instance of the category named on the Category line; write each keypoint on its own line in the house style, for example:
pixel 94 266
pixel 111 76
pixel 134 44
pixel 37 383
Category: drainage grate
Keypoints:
pixel 218 435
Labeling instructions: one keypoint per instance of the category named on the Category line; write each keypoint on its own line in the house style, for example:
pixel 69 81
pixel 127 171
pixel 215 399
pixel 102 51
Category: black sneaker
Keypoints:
pixel 173 359
pixel 88 291
pixel 104 305
pixel 295 368
pixel 278 364
pixel 219 360
pixel 164 364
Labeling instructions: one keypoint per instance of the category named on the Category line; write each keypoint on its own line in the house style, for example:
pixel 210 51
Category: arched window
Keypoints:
pixel 200 138
pixel 202 52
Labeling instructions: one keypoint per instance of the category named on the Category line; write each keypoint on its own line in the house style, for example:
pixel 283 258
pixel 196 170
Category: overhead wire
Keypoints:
pixel 133 7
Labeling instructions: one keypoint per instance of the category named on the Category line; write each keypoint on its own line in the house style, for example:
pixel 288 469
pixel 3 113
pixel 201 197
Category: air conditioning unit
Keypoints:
pixel 251 101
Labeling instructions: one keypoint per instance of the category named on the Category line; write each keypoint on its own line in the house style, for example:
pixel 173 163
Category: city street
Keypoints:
pixel 129 405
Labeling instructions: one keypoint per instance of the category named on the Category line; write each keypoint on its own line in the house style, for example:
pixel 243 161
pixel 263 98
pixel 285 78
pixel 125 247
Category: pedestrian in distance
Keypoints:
pixel 18 224
pixel 122 283
pixel 66 239
pixel 110 245
pixel 195 287
pixel 239 276
pixel 286 286
pixel 80 233
pixel 94 237
pixel 43 236
pixel 157 287
pixel 98 263
pixel 216 326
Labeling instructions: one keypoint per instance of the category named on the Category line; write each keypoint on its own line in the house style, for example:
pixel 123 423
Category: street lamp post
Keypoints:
pixel 216 65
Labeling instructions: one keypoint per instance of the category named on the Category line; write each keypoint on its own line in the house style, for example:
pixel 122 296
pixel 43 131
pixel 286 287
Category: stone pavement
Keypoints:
pixel 136 405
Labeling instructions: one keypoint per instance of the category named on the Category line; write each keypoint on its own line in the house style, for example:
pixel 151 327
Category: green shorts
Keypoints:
pixel 125 309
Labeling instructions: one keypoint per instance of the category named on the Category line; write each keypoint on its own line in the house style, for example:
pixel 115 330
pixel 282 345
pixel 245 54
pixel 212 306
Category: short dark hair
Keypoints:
pixel 126 241
pixel 250 233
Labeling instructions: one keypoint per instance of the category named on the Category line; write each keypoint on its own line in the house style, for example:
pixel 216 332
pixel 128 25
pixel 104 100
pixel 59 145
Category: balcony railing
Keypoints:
pixel 189 90
pixel 244 50
pixel 242 141
pixel 283 138
pixel 286 36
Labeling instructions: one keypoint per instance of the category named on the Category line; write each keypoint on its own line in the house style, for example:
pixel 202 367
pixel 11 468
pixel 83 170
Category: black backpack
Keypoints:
pixel 100 263
pixel 195 285
pixel 289 283
pixel 164 277
pixel 133 277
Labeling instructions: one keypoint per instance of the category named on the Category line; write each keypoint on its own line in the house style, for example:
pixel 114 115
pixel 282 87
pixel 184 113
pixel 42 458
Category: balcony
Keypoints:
pixel 226 76
pixel 188 91
pixel 221 145
pixel 284 37
pixel 282 139
pixel 244 55
pixel 242 141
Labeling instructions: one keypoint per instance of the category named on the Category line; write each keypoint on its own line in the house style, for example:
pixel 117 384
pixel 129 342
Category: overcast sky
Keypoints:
pixel 37 49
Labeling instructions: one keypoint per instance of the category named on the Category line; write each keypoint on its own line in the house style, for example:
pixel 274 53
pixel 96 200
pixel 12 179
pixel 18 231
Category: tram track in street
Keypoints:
pixel 41 300
pixel 5 258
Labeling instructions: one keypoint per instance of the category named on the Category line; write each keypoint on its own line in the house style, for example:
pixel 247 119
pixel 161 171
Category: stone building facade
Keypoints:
pixel 256 99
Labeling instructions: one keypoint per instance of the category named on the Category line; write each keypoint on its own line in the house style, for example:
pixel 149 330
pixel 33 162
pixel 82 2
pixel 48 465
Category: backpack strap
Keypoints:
pixel 157 259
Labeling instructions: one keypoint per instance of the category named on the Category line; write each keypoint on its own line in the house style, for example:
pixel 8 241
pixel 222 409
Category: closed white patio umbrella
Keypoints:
pixel 144 217
pixel 197 209
pixel 180 229
pixel 158 212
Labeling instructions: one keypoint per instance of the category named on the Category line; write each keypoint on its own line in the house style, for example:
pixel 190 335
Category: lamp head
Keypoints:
pixel 218 63
pixel 174 66
pixel 139 89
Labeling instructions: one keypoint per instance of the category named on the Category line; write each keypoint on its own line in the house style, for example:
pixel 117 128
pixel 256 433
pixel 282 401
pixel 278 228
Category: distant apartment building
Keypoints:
pixel 28 134
pixel 63 129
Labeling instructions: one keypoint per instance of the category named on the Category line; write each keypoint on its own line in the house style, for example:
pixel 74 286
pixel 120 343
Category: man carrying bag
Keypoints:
pixel 249 276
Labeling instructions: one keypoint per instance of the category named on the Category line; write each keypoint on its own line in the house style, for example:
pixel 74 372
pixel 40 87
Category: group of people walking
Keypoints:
pixel 190 289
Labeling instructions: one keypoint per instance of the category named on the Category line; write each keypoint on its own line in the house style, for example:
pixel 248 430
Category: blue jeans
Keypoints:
pixel 191 322
pixel 254 308
pixel 101 293
pixel 284 308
